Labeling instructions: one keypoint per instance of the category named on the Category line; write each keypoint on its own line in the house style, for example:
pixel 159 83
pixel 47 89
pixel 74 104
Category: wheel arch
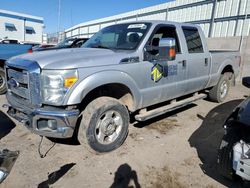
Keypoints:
pixel 227 68
pixel 120 86
pixel 115 90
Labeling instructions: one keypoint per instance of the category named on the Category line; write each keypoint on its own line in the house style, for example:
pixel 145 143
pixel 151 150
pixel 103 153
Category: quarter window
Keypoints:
pixel 193 40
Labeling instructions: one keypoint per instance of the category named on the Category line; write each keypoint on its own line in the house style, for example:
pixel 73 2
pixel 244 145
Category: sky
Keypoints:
pixel 74 11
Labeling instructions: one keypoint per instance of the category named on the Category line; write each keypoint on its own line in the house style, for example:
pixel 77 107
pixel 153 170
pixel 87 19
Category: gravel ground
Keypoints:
pixel 175 150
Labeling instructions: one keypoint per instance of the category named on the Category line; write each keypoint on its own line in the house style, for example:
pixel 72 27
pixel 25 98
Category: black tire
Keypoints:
pixel 220 91
pixel 104 119
pixel 225 153
pixel 3 87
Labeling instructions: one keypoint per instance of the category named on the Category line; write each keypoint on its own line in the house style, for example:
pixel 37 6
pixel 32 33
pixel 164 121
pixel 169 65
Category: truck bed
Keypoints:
pixel 221 58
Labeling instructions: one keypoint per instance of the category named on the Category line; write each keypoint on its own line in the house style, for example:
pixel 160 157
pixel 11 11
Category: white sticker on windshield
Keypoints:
pixel 141 26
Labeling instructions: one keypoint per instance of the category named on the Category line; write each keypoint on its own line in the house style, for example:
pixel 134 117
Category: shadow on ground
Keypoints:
pixel 125 177
pixel 206 139
pixel 6 125
pixel 55 176
pixel 67 141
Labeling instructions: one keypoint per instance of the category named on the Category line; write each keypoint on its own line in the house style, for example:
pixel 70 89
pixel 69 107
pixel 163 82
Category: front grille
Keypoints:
pixel 23 82
pixel 21 89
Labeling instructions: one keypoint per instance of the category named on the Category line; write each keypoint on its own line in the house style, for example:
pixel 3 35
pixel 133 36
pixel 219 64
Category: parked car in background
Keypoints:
pixel 68 43
pixel 41 46
pixel 31 43
pixel 9 41
pixel 7 51
pixel 234 151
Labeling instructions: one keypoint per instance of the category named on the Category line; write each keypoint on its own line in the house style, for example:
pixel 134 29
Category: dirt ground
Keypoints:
pixel 175 150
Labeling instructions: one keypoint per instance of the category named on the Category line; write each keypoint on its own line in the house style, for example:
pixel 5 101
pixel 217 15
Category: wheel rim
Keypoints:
pixel 223 89
pixel 108 127
pixel 2 81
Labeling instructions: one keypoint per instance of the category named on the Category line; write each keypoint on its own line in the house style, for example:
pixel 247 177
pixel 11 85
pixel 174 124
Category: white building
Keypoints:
pixel 218 18
pixel 22 27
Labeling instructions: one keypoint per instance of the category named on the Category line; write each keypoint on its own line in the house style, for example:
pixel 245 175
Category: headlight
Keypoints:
pixel 55 84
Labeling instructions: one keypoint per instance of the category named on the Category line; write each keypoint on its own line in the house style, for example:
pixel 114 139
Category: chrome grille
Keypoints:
pixel 23 80
pixel 19 76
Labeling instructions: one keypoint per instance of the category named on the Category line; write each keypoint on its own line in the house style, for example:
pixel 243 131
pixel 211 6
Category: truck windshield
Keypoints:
pixel 119 37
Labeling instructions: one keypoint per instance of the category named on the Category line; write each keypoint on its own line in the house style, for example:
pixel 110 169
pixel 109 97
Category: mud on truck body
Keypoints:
pixel 138 69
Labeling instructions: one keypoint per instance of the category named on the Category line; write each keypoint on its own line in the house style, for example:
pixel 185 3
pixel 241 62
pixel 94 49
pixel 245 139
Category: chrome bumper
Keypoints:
pixel 37 120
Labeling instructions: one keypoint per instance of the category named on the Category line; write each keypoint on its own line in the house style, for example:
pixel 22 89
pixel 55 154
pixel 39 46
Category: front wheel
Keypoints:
pixel 104 124
pixel 3 87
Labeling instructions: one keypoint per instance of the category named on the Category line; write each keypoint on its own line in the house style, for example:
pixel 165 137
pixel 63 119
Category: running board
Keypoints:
pixel 170 107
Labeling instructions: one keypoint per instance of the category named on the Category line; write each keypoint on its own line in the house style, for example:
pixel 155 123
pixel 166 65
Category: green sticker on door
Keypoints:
pixel 158 71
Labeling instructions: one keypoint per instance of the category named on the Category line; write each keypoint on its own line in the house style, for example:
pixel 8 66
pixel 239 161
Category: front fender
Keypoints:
pixel 93 81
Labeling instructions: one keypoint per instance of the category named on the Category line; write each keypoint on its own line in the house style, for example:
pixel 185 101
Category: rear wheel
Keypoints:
pixel 3 86
pixel 104 125
pixel 220 91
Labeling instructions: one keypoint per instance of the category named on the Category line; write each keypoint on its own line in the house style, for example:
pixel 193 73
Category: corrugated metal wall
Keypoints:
pixel 218 18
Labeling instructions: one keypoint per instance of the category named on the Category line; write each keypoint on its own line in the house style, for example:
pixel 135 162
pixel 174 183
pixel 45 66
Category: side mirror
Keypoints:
pixel 167 49
pixel 246 82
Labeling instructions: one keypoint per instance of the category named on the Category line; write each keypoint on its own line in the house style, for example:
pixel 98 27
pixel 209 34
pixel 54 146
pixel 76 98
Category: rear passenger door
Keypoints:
pixel 198 61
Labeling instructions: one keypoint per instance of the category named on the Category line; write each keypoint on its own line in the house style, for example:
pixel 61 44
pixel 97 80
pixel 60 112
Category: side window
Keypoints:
pixel 159 33
pixel 193 40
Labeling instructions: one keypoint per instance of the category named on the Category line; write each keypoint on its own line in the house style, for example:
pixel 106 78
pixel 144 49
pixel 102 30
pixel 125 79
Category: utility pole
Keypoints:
pixel 58 21
pixel 211 27
pixel 243 53
pixel 59 16
pixel 24 29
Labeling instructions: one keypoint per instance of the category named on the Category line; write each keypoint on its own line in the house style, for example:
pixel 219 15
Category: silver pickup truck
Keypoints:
pixel 138 69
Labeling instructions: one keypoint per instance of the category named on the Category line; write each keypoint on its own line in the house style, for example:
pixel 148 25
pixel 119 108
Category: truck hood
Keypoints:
pixel 75 58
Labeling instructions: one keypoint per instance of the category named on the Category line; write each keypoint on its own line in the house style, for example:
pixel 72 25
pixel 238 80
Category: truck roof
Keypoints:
pixel 155 22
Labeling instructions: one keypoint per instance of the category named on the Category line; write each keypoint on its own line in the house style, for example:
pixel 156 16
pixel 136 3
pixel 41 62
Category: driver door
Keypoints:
pixel 168 77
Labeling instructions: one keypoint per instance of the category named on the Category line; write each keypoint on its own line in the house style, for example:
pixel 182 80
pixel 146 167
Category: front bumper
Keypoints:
pixel 39 120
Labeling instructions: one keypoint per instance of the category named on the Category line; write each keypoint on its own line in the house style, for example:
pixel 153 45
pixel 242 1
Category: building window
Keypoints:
pixel 29 30
pixel 10 27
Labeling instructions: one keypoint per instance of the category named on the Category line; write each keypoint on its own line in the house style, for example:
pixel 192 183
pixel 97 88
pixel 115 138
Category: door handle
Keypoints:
pixel 206 61
pixel 183 62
